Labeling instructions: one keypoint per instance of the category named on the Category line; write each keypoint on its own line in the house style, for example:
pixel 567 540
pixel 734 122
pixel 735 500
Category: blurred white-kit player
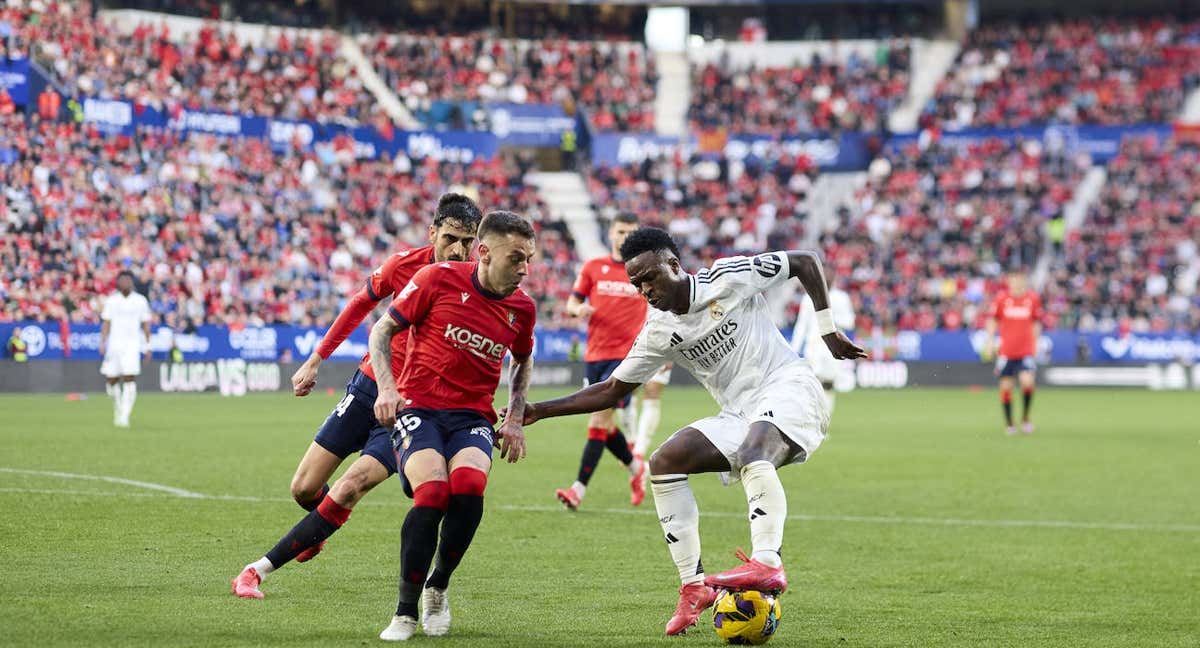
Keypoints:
pixel 806 338
pixel 124 341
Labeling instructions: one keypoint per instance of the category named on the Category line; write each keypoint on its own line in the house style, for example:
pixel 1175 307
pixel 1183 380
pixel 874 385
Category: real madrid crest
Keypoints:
pixel 714 309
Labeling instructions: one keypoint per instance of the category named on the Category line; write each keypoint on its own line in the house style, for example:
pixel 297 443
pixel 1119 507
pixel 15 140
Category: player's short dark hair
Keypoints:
pixel 126 273
pixel 458 207
pixel 628 218
pixel 504 223
pixel 648 239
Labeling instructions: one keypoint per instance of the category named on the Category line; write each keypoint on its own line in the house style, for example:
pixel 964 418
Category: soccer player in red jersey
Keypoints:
pixel 352 426
pixel 462 318
pixel 615 313
pixel 1017 315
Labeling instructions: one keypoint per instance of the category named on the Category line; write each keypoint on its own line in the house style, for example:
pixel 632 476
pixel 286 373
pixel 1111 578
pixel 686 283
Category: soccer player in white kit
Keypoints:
pixel 806 337
pixel 715 324
pixel 124 340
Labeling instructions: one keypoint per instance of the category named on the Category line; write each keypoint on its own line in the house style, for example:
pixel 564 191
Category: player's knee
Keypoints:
pixel 666 461
pixel 432 494
pixel 468 480
pixel 304 490
pixel 351 486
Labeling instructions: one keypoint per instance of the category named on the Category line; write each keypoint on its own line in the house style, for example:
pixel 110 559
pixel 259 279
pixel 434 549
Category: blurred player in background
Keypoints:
pixel 1016 314
pixel 806 337
pixel 463 318
pixel 615 313
pixel 124 343
pixel 352 426
pixel 715 324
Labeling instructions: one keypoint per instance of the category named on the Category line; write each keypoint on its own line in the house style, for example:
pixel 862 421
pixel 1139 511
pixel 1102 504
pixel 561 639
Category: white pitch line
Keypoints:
pixel 178 492
pixel 800 517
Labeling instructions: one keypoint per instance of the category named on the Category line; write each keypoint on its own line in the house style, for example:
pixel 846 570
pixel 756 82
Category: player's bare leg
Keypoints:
pixel 311 481
pixel 687 452
pixel 428 475
pixel 1006 387
pixel 305 539
pixel 765 449
pixel 469 470
pixel 649 417
pixel 1027 380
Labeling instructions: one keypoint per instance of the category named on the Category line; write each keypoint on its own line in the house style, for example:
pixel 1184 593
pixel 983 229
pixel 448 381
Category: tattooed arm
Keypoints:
pixel 387 403
pixel 512 433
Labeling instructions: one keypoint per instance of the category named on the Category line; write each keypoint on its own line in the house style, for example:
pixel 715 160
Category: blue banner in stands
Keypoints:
pixel 14 77
pixel 45 341
pixel 114 117
pixel 529 124
pixel 1101 142
pixel 845 152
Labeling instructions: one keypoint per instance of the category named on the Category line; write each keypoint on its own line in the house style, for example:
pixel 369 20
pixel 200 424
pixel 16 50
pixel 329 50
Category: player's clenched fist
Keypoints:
pixel 841 347
pixel 305 377
pixel 387 403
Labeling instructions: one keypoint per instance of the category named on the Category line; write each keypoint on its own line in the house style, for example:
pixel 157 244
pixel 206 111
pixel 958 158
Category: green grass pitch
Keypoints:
pixel 918 523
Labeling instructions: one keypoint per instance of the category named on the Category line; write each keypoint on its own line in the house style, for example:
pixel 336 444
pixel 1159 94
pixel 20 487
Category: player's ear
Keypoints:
pixel 432 233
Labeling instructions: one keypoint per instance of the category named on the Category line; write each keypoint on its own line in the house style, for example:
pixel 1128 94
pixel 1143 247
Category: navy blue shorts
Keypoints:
pixel 447 431
pixel 1012 366
pixel 599 371
pixel 351 426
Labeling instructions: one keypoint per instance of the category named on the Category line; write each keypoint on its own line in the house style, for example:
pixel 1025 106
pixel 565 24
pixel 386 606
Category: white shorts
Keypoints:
pixel 794 403
pixel 663 376
pixel 121 362
pixel 822 362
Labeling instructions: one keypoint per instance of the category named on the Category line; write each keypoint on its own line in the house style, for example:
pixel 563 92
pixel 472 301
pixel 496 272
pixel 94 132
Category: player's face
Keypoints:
pixel 657 277
pixel 504 260
pixel 125 283
pixel 451 241
pixel 1016 282
pixel 617 234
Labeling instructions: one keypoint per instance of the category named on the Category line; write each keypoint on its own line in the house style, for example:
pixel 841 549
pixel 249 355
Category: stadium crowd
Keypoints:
pixel 823 95
pixel 225 231
pixel 1083 71
pixel 613 82
pixel 1135 262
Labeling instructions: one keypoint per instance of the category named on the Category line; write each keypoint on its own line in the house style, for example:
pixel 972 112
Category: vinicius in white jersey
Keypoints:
pixel 772 412
pixel 124 340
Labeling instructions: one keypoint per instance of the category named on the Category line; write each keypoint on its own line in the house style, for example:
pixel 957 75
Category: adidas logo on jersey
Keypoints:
pixel 675 339
pixel 479 344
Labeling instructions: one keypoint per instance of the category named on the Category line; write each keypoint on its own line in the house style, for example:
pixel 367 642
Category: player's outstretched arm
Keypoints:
pixel 512 433
pixel 379 345
pixel 356 310
pixel 594 398
pixel 806 266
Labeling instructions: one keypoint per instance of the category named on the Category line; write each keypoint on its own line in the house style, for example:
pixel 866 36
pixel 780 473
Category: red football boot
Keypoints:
pixel 246 584
pixel 568 497
pixel 637 486
pixel 311 552
pixel 750 575
pixel 693 600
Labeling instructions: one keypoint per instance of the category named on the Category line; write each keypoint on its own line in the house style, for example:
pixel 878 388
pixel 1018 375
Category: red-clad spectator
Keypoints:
pixel 49 103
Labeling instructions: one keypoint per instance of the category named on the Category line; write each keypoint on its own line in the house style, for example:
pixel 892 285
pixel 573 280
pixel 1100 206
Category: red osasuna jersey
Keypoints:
pixel 458 335
pixel 387 280
pixel 1015 317
pixel 619 310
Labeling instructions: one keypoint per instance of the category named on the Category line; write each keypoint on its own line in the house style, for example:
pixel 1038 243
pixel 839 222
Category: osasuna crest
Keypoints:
pixel 767 265
pixel 716 310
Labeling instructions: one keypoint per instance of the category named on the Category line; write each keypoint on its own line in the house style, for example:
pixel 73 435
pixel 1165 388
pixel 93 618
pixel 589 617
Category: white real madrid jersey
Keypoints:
pixel 125 316
pixel 726 339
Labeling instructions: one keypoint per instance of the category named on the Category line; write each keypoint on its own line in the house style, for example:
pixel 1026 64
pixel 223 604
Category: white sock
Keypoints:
pixel 110 389
pixel 130 396
pixel 262 566
pixel 647 425
pixel 830 397
pixel 635 465
pixel 579 489
pixel 680 519
pixel 627 419
pixel 768 510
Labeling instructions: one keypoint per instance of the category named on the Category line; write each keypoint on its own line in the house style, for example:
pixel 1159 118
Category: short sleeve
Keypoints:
pixel 1037 309
pixel 740 276
pixel 106 313
pixel 147 314
pixel 997 309
pixel 644 359
pixel 523 346
pixel 584 283
pixel 412 305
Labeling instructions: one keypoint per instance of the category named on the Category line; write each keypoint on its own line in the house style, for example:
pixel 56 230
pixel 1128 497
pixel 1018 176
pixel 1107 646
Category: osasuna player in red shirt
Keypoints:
pixel 463 318
pixel 615 313
pixel 1017 314
pixel 352 426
